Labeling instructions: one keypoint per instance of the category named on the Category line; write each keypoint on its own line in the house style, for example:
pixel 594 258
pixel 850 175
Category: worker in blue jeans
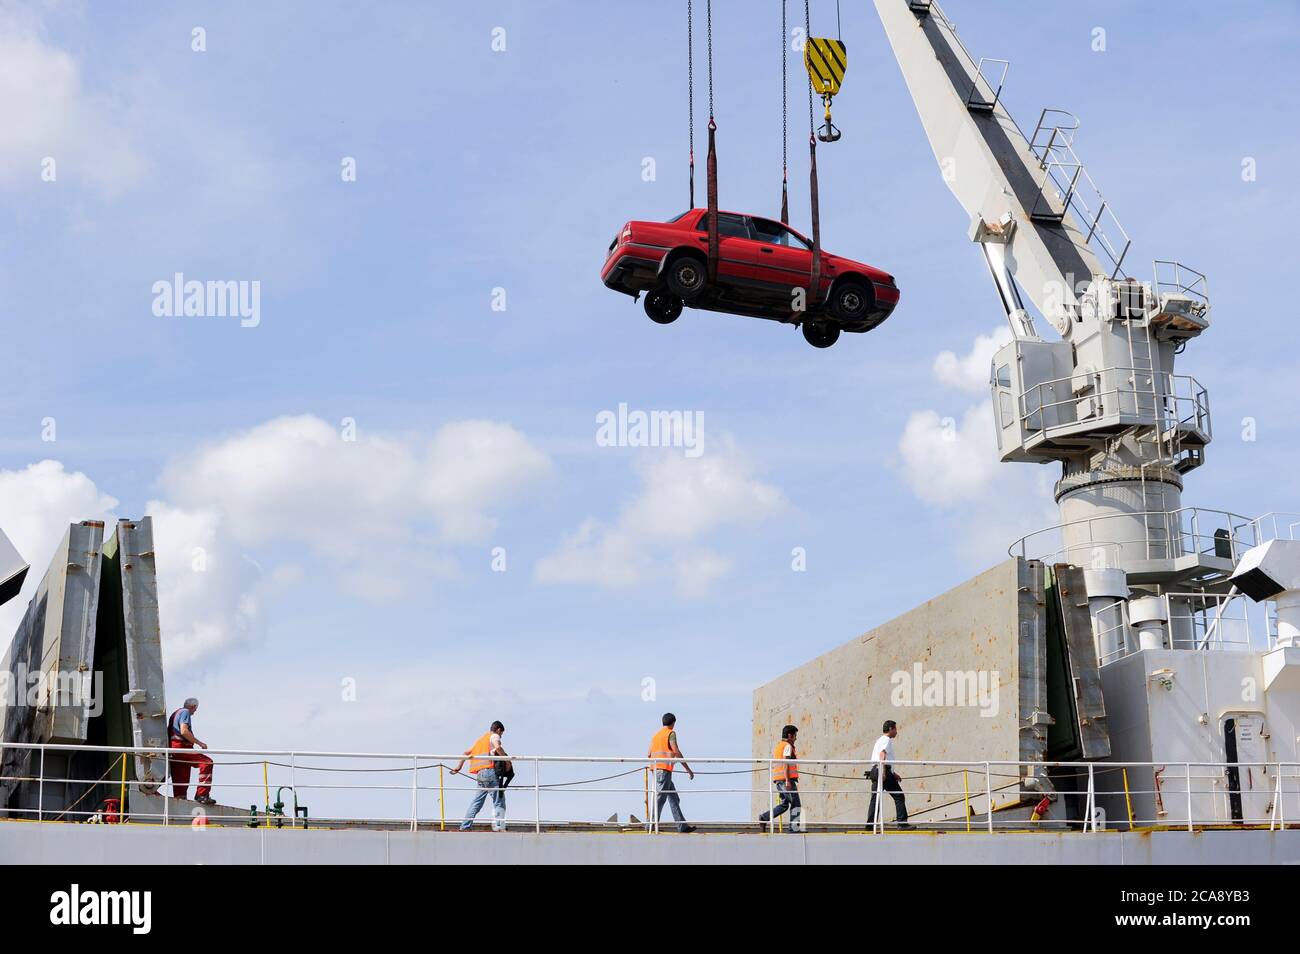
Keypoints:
pixel 483 768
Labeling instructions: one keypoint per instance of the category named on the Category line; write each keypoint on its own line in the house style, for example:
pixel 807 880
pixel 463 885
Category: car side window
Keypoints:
pixel 774 233
pixel 731 226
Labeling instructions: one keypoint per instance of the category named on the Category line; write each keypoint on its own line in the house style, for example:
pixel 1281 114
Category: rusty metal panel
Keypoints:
pixel 145 695
pixel 1034 711
pixel 1085 678
pixel 51 657
pixel 992 624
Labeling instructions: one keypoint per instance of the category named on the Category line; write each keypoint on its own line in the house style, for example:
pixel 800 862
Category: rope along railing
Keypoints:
pixel 418 792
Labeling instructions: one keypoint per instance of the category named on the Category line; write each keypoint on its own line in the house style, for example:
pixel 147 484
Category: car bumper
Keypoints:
pixel 632 268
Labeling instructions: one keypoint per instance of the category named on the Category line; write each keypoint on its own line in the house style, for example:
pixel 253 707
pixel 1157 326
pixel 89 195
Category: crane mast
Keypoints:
pixel 1101 398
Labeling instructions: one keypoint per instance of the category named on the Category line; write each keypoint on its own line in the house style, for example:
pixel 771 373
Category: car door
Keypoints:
pixel 785 257
pixel 737 251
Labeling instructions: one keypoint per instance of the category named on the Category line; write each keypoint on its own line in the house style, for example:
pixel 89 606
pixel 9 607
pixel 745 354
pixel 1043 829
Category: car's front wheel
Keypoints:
pixel 850 301
pixel 820 334
pixel 686 276
pixel 662 306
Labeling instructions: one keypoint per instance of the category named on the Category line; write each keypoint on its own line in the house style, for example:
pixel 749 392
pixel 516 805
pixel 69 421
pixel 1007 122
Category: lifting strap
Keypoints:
pixel 815 288
pixel 713 157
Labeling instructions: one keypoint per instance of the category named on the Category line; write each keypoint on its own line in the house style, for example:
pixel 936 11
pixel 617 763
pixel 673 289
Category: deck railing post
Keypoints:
pixel 415 775
pixel 988 793
pixel 40 789
pixel 537 795
pixel 654 804
pixel 1187 767
pixel 1092 799
pixel 771 784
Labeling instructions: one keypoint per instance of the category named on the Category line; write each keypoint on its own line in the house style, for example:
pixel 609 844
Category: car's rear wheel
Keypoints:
pixel 851 301
pixel 820 334
pixel 686 276
pixel 662 306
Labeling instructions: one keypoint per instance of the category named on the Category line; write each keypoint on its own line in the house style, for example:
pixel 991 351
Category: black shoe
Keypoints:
pixel 686 829
pixel 205 800
pixel 904 826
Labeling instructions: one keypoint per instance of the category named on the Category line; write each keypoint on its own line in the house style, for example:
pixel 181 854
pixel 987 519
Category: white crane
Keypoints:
pixel 1101 398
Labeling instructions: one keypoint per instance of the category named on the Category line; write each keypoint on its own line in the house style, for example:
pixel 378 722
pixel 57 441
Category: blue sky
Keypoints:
pixel 480 169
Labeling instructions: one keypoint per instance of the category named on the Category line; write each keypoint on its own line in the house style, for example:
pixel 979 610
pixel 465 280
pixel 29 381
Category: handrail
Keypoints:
pixel 943 787
pixel 1238 522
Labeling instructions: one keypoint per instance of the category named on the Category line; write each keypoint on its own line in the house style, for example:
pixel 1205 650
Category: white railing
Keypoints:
pixel 980 795
pixel 1212 622
pixel 1075 192
pixel 1171 276
pixel 1174 403
pixel 1165 535
pixel 1278 525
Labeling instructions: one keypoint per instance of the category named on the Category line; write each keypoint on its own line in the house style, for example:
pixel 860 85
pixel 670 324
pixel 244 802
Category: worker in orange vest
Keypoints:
pixel 483 768
pixel 785 779
pixel 664 746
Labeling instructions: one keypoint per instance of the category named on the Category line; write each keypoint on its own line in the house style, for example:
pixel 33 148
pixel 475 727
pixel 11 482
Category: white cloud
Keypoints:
pixel 45 112
pixel 297 479
pixel 207 590
pixel 953 463
pixel 970 372
pixel 381 512
pixel 37 504
pixel 682 499
pixel 947 461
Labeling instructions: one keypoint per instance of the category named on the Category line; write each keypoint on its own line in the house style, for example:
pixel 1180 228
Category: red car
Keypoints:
pixel 761 263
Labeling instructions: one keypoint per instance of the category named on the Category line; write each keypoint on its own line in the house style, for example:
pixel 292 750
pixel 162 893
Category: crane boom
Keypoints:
pixel 1104 401
pixel 1009 185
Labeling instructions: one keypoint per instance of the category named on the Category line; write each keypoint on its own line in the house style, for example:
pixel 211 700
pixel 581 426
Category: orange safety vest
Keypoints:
pixel 785 769
pixel 659 748
pixel 482 747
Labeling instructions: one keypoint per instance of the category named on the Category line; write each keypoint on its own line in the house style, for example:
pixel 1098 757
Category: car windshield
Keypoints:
pixel 774 233
pixel 680 214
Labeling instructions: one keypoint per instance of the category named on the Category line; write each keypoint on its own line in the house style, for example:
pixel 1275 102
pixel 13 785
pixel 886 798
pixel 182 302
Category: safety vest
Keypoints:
pixel 482 747
pixel 175 738
pixel 785 768
pixel 659 748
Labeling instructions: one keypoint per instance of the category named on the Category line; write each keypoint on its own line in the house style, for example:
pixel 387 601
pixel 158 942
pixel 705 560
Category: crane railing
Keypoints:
pixel 1075 191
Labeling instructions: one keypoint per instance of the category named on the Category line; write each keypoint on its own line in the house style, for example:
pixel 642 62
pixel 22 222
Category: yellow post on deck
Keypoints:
pixel 442 815
pixel 121 802
pixel 965 780
pixel 266 795
pixel 1128 800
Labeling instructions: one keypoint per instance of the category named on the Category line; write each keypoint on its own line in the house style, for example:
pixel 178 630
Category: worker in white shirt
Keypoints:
pixel 882 757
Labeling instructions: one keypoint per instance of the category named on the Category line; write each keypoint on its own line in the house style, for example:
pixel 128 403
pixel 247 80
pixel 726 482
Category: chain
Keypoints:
pixel 690 92
pixel 807 35
pixel 709 28
pixel 785 133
